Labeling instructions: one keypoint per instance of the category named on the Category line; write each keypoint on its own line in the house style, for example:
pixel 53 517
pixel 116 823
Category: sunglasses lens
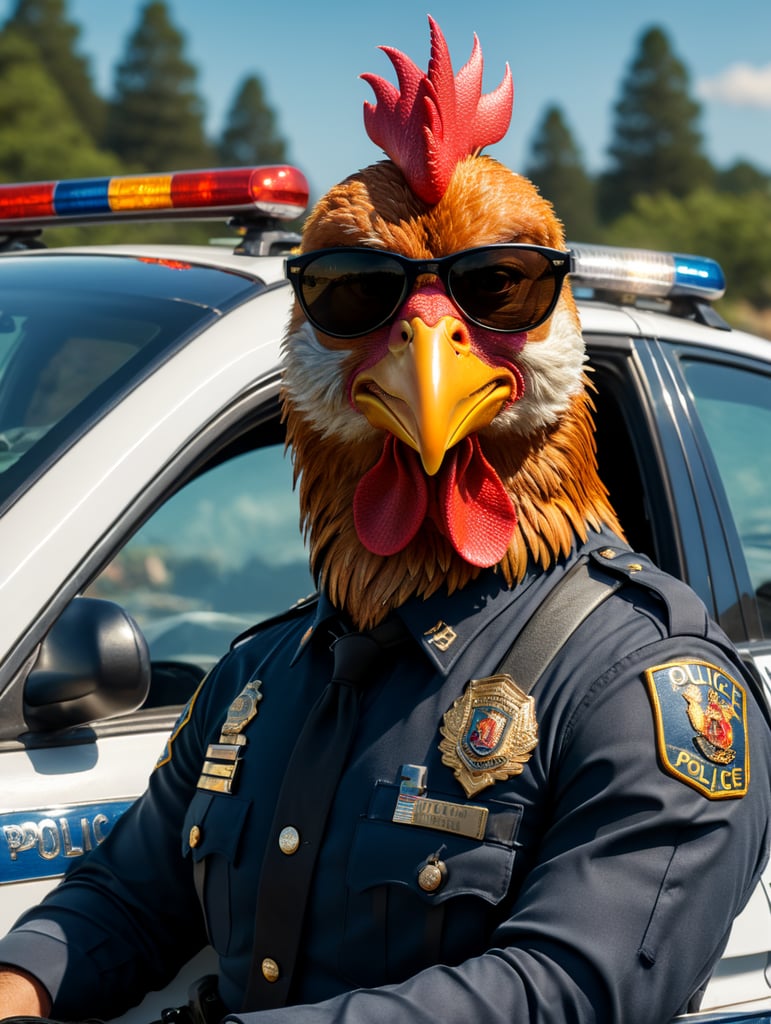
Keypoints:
pixel 349 294
pixel 505 289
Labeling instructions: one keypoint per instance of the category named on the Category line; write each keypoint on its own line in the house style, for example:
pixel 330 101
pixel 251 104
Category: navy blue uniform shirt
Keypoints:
pixel 602 887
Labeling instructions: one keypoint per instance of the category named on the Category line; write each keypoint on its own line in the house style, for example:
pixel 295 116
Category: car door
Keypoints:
pixel 683 436
pixel 207 402
pixel 221 553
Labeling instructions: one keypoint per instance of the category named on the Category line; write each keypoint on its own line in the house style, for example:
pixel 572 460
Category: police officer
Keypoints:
pixel 577 853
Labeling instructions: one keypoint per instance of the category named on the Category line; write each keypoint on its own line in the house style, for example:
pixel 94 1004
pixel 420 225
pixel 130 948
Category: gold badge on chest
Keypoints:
pixel 223 758
pixel 489 733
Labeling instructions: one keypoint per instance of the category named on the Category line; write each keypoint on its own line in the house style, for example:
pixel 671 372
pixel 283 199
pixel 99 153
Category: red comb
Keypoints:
pixel 437 119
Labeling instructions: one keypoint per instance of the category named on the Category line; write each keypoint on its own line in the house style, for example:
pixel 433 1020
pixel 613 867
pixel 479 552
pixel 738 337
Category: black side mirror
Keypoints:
pixel 94 663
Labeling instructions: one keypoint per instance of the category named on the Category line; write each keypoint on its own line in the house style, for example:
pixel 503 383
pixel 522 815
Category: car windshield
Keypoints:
pixel 78 331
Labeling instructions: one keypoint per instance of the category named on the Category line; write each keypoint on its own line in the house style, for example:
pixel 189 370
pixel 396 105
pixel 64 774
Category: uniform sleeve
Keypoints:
pixel 124 921
pixel 631 894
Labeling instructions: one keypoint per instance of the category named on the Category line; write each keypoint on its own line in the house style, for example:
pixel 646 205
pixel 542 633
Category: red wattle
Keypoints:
pixel 472 507
pixel 477 513
pixel 391 500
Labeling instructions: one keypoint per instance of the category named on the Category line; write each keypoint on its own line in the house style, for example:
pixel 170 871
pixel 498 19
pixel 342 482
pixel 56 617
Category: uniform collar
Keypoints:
pixel 444 625
pixel 441 626
pixel 326 622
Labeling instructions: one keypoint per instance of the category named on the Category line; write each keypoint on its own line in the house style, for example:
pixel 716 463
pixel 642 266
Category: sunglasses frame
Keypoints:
pixel 295 266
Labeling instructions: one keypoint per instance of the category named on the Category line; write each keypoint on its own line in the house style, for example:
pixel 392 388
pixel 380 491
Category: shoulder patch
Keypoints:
pixel 180 724
pixel 700 714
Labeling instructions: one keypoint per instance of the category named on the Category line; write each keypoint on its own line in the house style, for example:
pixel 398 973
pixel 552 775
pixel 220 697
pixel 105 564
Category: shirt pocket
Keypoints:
pixel 211 837
pixel 396 923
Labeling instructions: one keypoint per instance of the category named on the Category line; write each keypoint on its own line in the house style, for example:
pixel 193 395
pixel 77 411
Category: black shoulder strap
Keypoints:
pixel 554 621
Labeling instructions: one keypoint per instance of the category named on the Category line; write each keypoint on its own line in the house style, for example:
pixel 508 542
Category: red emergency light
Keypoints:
pixel 279 192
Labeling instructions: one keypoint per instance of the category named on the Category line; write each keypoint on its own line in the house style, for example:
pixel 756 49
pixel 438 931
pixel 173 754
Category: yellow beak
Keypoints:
pixel 431 390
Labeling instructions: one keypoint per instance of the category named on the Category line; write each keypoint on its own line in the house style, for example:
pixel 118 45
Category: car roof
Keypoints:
pixel 599 318
pixel 269 269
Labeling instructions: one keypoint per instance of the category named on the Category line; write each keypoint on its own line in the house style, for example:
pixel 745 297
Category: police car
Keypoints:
pixel 147 513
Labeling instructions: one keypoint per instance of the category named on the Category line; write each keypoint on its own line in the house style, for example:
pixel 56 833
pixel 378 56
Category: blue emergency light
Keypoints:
pixel 646 272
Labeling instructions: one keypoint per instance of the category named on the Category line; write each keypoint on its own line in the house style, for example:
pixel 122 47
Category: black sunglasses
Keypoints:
pixel 349 292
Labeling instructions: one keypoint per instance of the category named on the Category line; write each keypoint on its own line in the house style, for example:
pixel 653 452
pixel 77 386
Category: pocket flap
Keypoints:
pixel 213 824
pixel 385 853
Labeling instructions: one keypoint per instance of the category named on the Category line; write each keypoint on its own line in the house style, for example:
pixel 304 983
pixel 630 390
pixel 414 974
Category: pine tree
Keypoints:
pixel 657 145
pixel 743 177
pixel 44 23
pixel 40 137
pixel 156 118
pixel 250 135
pixel 556 167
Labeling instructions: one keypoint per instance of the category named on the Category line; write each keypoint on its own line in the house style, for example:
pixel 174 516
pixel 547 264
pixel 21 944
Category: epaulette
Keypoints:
pixel 686 614
pixel 300 606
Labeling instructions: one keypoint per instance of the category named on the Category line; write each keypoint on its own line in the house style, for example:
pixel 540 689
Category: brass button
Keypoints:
pixel 194 837
pixel 607 553
pixel 634 567
pixel 270 971
pixel 432 875
pixel 289 840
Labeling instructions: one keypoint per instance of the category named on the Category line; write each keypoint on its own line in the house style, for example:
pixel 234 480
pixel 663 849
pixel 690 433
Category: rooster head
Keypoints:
pixel 434 389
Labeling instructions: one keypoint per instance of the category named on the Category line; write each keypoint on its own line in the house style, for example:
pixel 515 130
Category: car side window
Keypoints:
pixel 221 554
pixel 734 407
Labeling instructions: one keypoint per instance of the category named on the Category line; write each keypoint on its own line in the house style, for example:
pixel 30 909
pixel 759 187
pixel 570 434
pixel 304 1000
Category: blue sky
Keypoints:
pixel 309 55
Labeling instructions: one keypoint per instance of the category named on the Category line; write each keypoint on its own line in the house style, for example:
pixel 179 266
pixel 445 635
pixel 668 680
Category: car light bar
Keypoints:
pixel 645 272
pixel 276 191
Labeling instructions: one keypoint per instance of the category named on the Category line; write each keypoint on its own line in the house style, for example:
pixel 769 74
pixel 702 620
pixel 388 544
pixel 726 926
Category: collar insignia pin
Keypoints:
pixel 441 636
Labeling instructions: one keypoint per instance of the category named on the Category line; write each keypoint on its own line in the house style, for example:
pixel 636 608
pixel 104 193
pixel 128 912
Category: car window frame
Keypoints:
pixel 710 537
pixel 700 544
pixel 746 598
pixel 617 378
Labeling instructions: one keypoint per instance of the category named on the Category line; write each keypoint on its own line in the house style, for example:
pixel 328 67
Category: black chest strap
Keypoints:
pixel 573 599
